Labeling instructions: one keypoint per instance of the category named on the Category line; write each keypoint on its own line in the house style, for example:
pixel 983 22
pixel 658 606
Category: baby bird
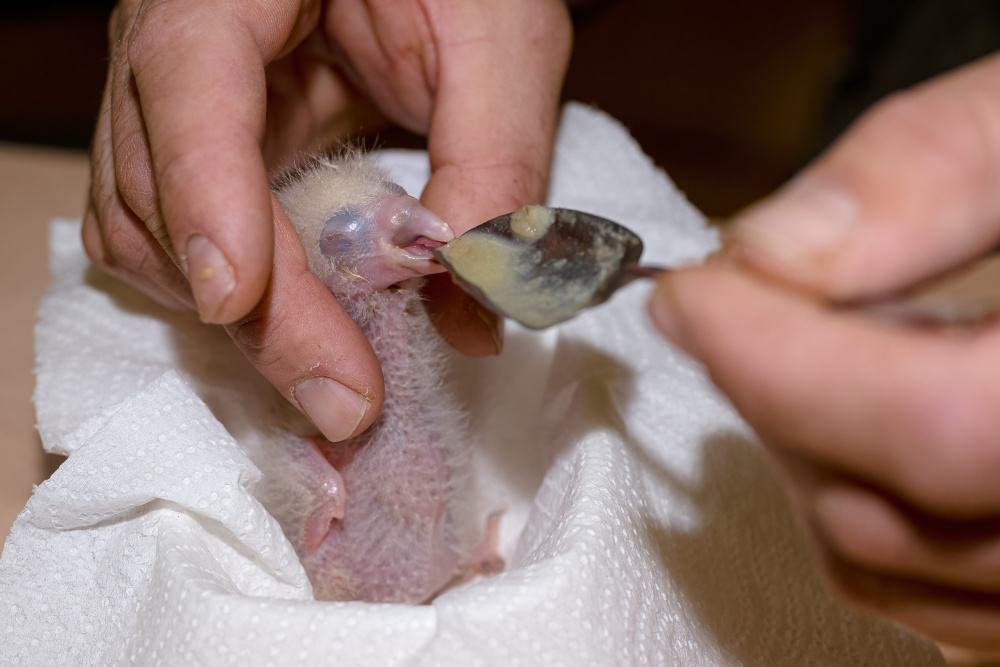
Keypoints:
pixel 384 516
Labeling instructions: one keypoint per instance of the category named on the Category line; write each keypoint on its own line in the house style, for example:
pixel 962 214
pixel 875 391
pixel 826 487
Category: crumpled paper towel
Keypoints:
pixel 642 526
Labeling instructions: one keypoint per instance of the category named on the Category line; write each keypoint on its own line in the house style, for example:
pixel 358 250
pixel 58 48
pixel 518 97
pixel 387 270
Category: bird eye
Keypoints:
pixel 343 233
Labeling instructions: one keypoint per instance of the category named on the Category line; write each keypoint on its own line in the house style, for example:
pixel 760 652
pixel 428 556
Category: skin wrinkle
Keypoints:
pixel 245 132
pixel 120 243
pixel 101 159
pixel 306 15
pixel 118 222
pixel 304 26
pixel 151 33
pixel 227 86
pixel 134 177
pixel 93 244
pixel 103 197
pixel 130 150
pixel 251 332
pixel 132 173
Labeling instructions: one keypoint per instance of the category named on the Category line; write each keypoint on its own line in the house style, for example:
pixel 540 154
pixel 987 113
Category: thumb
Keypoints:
pixel 912 189
pixel 492 133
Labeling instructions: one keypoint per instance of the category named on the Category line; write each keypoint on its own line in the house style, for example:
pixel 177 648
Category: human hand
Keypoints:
pixel 888 436
pixel 205 99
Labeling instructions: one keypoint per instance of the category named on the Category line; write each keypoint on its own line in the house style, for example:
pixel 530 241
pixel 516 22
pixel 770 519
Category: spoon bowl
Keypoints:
pixel 540 265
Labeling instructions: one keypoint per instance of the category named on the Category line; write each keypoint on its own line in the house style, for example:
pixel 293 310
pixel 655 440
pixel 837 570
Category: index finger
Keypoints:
pixel 198 69
pixel 910 411
pixel 912 189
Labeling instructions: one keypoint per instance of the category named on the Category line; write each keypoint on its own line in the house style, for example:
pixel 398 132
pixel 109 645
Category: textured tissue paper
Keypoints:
pixel 642 525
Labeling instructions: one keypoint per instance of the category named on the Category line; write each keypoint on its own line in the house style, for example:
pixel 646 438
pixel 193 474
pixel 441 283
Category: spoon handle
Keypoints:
pixel 632 271
pixel 968 295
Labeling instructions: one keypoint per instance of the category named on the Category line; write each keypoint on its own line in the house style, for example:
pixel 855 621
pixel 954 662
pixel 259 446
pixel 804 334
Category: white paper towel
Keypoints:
pixel 642 527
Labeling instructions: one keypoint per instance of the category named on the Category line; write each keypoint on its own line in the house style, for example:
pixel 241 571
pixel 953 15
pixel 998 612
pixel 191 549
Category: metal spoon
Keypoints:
pixel 541 266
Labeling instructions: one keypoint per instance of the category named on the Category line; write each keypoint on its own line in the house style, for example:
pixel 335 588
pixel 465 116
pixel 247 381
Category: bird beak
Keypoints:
pixel 416 223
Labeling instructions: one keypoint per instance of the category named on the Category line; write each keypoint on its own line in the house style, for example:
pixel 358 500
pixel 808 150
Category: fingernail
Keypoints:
pixel 211 275
pixel 494 323
pixel 806 219
pixel 335 409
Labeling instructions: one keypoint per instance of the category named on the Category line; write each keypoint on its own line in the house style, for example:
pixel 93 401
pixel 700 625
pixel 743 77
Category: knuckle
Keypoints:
pixel 162 30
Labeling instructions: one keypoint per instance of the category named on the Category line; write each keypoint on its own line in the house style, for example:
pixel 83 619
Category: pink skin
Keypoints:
pixel 379 529
pixel 327 488
pixel 387 241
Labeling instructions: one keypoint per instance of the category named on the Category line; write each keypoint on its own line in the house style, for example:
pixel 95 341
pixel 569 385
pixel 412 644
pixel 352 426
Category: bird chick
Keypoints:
pixel 383 516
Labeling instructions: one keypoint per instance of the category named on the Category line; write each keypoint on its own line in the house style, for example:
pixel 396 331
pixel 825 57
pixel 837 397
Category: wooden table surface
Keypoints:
pixel 36 185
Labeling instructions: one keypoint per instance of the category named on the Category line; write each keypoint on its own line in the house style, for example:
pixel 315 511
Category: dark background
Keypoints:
pixel 729 96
